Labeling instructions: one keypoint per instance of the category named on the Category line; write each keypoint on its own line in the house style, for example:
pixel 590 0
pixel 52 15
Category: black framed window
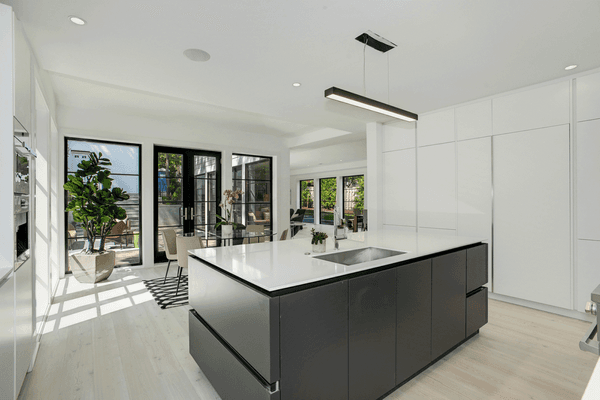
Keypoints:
pixel 353 195
pixel 307 199
pixel 126 170
pixel 254 176
pixel 327 198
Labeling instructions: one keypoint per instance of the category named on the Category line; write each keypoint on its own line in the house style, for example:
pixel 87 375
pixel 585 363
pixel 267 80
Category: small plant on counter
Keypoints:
pixel 318 237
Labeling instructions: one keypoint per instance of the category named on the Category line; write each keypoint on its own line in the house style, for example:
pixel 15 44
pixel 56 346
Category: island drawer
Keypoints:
pixel 477 310
pixel 477 266
pixel 246 319
pixel 232 376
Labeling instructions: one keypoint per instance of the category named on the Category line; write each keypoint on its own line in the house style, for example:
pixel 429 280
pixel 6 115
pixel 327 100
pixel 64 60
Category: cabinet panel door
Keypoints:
pixel 474 120
pixel 588 273
pixel 398 136
pixel 474 188
pixel 437 186
pixel 532 108
pixel 400 188
pixel 7 338
pixel 22 78
pixel 372 334
pixel 588 97
pixel 588 177
pixel 413 319
pixel 24 343
pixel 314 343
pixel 448 285
pixel 435 128
pixel 532 224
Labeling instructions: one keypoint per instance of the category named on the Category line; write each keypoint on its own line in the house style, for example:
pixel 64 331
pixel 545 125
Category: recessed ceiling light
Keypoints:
pixel 296 84
pixel 570 67
pixel 197 55
pixel 77 20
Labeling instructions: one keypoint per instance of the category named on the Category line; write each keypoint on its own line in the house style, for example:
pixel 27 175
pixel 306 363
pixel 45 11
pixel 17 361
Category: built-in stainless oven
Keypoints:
pixel 22 200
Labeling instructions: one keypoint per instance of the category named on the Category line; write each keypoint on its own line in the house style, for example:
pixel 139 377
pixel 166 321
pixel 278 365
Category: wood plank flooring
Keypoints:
pixel 111 341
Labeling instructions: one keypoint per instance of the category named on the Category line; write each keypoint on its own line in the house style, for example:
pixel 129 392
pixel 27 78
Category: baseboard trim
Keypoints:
pixel 543 307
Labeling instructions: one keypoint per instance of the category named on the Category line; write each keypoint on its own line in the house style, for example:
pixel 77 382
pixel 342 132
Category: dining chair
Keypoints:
pixel 170 245
pixel 185 243
pixel 283 235
pixel 254 229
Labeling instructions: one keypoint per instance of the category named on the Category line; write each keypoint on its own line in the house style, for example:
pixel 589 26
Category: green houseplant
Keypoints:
pixel 93 202
pixel 318 241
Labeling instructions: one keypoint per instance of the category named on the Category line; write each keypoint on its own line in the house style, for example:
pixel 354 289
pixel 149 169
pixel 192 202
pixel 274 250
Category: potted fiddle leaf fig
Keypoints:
pixel 93 202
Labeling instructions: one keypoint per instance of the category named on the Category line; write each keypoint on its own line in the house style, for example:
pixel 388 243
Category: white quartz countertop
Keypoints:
pixel 284 264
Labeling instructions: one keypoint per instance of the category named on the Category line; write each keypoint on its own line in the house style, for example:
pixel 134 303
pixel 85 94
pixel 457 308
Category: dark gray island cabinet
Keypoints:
pixel 360 335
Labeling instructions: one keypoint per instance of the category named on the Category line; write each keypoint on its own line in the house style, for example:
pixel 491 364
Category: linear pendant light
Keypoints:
pixel 369 104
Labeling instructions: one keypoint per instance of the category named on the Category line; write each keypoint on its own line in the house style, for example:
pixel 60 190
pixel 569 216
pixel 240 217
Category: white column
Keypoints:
pixel 374 181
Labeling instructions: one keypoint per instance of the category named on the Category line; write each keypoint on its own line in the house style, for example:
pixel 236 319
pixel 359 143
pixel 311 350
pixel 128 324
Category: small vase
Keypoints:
pixel 227 230
pixel 319 247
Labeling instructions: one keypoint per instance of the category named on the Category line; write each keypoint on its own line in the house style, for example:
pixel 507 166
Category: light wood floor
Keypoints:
pixel 112 341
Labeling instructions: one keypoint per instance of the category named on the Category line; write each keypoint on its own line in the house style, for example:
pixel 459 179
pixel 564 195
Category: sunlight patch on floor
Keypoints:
pixel 72 319
pixel 68 305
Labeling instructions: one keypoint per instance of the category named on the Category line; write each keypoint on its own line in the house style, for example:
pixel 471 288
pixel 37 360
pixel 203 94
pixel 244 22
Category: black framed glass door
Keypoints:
pixel 186 194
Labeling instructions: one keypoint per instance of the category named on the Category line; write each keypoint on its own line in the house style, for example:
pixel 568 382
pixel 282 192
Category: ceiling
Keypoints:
pixel 129 55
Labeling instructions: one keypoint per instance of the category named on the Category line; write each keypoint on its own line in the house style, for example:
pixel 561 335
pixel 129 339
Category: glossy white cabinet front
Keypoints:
pixel 399 197
pixel 588 180
pixel 436 171
pixel 535 108
pixel 532 216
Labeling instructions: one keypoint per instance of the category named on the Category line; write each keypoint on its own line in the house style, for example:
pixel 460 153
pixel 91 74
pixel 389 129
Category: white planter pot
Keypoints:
pixel 92 268
pixel 227 230
pixel 319 248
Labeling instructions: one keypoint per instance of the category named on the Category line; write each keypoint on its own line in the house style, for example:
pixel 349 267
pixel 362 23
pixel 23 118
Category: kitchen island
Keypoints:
pixel 269 321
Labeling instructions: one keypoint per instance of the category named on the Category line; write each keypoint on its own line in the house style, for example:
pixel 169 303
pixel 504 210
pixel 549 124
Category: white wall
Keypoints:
pixel 147 131
pixel 523 162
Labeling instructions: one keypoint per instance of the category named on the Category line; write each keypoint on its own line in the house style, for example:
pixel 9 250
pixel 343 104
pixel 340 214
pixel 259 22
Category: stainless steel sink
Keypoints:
pixel 357 256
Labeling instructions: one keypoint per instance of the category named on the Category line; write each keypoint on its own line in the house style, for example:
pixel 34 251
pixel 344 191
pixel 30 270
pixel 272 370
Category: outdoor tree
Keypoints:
pixel 328 193
pixel 171 185
pixel 306 194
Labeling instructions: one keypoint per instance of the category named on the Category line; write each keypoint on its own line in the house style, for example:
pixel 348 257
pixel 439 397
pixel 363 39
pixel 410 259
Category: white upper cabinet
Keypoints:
pixel 436 171
pixel 399 188
pixel 531 109
pixel 435 128
pixel 532 239
pixel 474 177
pixel 22 78
pixel 398 136
pixel 474 120
pixel 588 180
pixel 588 97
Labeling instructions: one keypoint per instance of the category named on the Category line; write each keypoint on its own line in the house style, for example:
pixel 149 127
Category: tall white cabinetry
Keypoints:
pixel 521 170
pixel 436 172
pixel 474 190
pixel 588 187
pixel 532 216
